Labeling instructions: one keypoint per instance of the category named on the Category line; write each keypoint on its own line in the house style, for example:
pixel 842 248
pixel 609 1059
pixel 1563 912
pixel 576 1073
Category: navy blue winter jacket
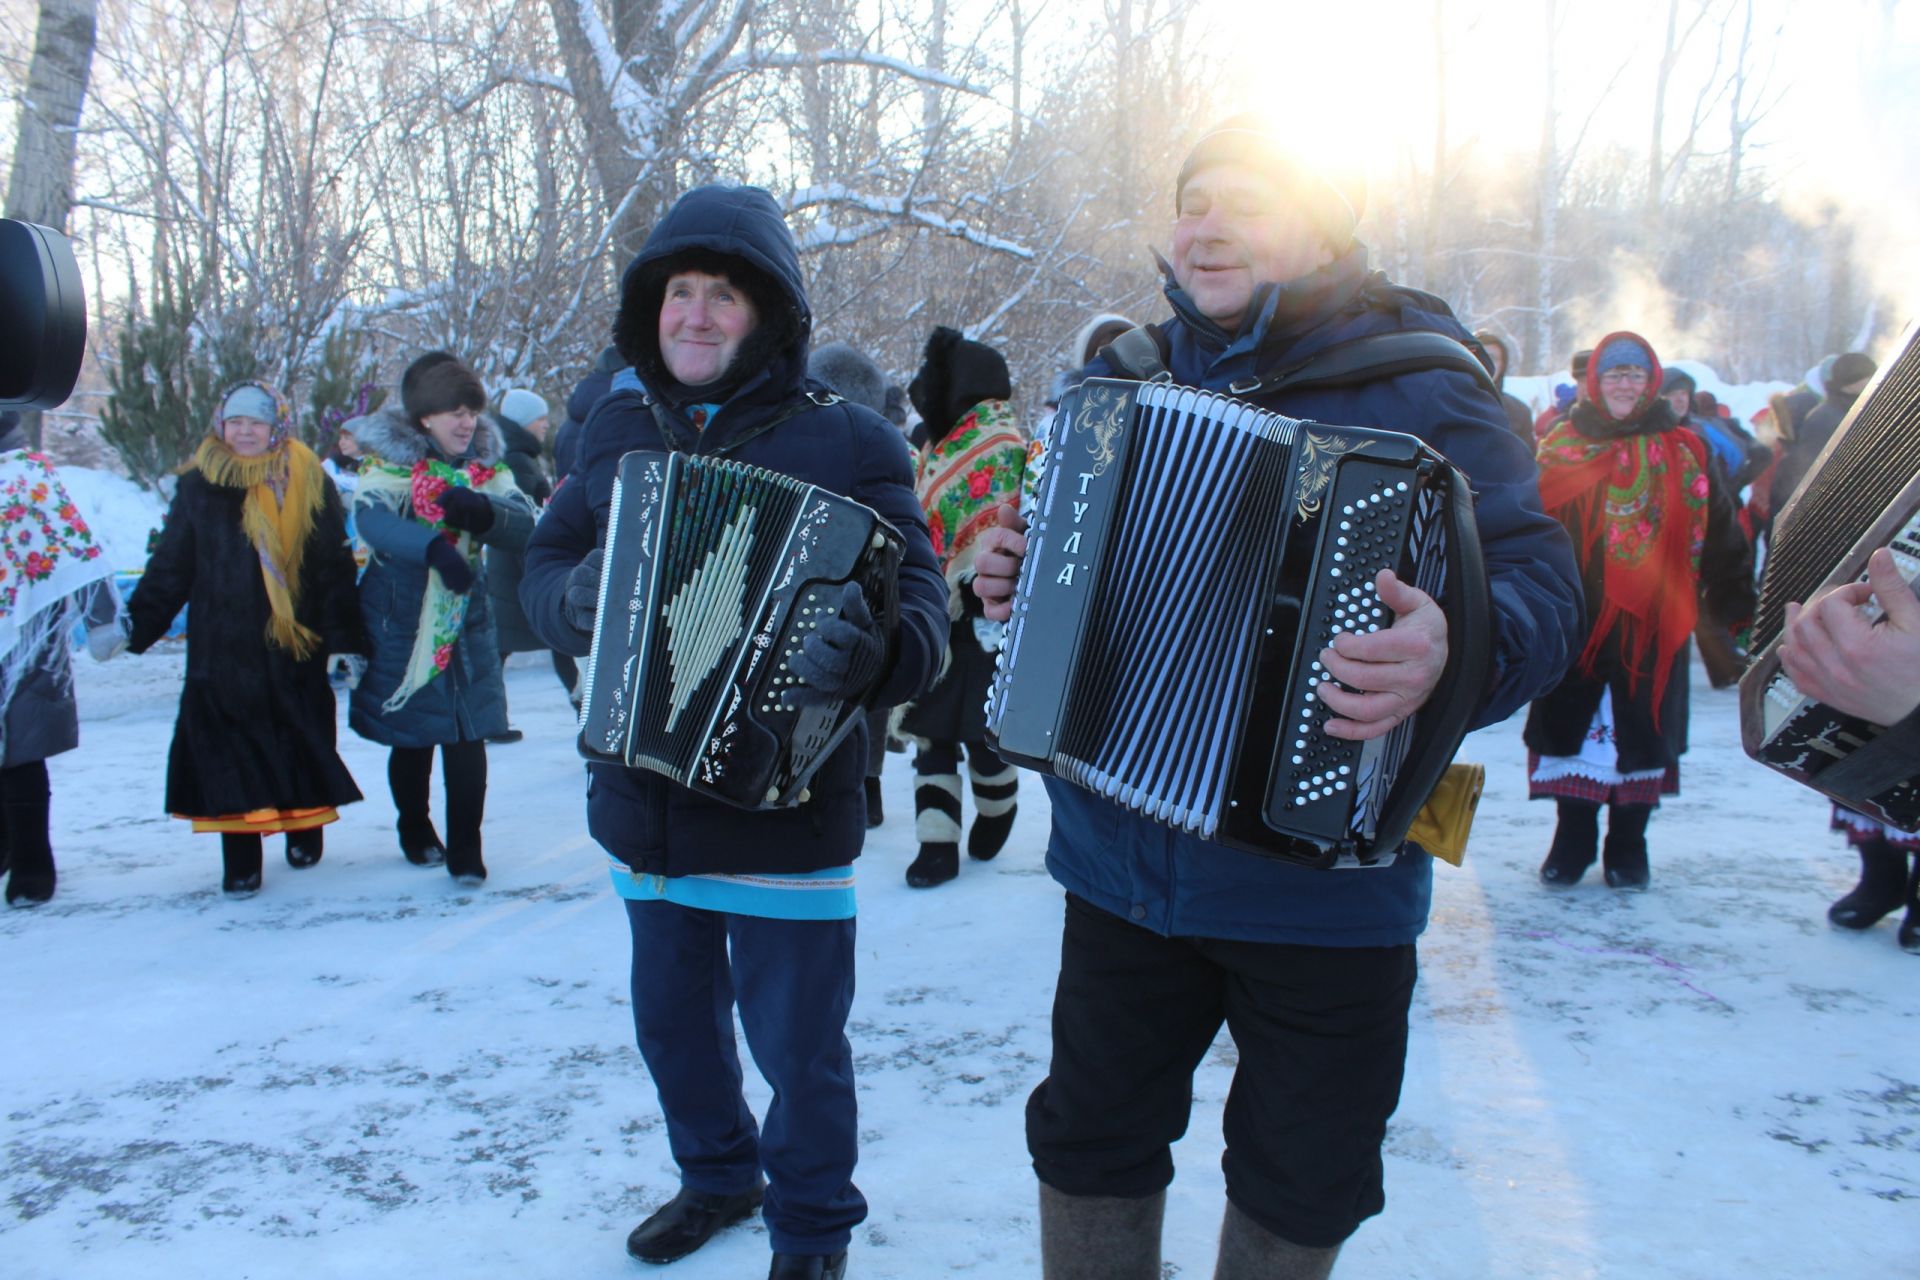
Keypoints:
pixel 654 825
pixel 1185 887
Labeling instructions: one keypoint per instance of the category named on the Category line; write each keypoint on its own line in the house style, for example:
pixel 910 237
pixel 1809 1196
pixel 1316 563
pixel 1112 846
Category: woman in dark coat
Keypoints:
pixel 432 492
pixel 53 574
pixel 1656 537
pixel 256 544
pixel 973 461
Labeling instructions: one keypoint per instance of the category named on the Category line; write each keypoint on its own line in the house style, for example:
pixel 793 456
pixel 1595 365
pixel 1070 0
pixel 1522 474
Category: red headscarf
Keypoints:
pixel 1635 489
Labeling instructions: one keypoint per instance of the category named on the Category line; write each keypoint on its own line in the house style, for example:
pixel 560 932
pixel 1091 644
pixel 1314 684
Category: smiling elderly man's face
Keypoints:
pixel 1239 228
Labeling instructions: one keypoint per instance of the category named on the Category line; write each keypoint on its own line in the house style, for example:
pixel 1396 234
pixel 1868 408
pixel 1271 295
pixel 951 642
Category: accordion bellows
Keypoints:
pixel 1861 494
pixel 715 572
pixel 1188 559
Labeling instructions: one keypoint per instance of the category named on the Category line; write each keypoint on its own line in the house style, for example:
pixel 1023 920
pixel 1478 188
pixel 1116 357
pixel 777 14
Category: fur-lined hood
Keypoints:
pixel 389 435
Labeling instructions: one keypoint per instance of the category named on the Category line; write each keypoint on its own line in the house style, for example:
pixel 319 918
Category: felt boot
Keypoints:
pixel 936 821
pixel 465 765
pixel 1100 1237
pixel 1575 842
pixel 1248 1251
pixel 305 847
pixel 27 799
pixel 1625 853
pixel 996 793
pixel 1910 927
pixel 876 811
pixel 410 777
pixel 239 863
pixel 1882 888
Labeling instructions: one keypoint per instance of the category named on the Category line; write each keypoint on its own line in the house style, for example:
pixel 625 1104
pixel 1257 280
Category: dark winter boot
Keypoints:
pixel 26 797
pixel 1882 888
pixel 1625 852
pixel 305 847
pixel 1576 840
pixel 1910 927
pixel 688 1221
pixel 240 864
pixel 1100 1237
pixel 465 765
pixel 996 794
pixel 1248 1251
pixel 936 821
pixel 410 776
pixel 876 811
pixel 807 1266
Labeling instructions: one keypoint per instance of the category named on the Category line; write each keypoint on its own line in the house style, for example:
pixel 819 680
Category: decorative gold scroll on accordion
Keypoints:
pixel 1862 493
pixel 715 572
pixel 1188 558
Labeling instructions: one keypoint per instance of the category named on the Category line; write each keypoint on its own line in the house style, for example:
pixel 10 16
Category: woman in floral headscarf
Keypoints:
pixel 255 546
pixel 432 492
pixel 52 575
pixel 1655 534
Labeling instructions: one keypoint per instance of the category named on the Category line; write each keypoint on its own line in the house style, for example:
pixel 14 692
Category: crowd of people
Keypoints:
pixel 1617 526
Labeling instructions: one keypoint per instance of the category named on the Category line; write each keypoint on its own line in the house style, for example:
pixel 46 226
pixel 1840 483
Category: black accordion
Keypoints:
pixel 715 571
pixel 1862 493
pixel 1188 557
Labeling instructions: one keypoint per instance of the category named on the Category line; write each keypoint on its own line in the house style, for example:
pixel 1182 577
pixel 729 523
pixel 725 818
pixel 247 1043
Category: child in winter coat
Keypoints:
pixel 972 463
pixel 255 542
pixel 432 492
pixel 52 574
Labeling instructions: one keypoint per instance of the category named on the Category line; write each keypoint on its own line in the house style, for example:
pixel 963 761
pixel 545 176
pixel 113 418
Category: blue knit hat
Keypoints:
pixel 1621 352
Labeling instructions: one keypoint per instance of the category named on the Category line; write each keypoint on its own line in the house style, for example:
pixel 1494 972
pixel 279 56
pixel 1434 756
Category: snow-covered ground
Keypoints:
pixel 366 1072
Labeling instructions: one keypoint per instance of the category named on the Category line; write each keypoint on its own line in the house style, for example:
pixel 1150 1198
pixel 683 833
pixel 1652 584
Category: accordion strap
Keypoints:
pixel 1141 355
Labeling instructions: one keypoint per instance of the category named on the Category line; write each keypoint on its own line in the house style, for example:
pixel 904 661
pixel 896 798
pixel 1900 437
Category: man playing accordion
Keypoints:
pixel 1168 936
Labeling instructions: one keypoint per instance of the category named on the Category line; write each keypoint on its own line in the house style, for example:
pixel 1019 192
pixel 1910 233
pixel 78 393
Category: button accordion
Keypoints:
pixel 1188 557
pixel 715 572
pixel 1862 493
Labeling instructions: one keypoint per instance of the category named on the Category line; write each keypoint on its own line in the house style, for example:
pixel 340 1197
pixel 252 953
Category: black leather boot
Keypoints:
pixel 1881 891
pixel 1625 853
pixel 1576 841
pixel 240 864
pixel 1910 927
pixel 305 847
pixel 465 766
pixel 808 1266
pixel 688 1221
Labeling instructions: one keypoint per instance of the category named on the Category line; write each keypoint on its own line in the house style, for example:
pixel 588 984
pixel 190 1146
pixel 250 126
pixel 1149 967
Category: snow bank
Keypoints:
pixel 120 512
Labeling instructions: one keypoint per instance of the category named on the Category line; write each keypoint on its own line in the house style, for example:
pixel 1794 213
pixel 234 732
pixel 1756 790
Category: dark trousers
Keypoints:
pixel 793 982
pixel 463 766
pixel 567 670
pixel 26 798
pixel 1322 1040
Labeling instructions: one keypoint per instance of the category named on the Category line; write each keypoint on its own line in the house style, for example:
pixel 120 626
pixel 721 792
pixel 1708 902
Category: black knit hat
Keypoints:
pixel 956 374
pixel 1250 140
pixel 440 382
pixel 1848 369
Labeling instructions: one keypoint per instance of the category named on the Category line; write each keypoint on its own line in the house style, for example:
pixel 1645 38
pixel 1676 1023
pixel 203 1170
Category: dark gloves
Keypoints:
pixel 841 656
pixel 583 592
pixel 467 510
pixel 452 566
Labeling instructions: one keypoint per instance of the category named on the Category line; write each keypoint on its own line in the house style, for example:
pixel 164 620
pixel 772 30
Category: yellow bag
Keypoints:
pixel 1442 826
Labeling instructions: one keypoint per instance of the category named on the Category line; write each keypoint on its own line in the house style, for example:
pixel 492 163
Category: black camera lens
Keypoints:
pixel 43 317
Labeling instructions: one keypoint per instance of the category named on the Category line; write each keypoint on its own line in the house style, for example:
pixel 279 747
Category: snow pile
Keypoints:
pixel 121 513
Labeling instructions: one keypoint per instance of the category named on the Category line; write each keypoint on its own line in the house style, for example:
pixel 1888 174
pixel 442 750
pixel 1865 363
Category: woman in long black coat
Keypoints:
pixel 255 545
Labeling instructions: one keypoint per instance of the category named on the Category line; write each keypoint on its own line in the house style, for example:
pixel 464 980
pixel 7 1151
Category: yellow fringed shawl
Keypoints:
pixel 285 490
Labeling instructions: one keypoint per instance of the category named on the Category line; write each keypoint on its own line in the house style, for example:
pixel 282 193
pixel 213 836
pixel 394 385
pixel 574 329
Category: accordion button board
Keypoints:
pixel 1189 558
pixel 715 574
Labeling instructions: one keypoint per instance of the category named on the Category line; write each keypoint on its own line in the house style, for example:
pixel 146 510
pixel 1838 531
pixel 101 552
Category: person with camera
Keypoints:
pixel 433 491
pixel 255 547
pixel 728 906
pixel 53 574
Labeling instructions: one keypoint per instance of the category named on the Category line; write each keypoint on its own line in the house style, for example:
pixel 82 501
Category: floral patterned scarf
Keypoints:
pixel 443 612
pixel 1641 500
pixel 963 478
pixel 46 550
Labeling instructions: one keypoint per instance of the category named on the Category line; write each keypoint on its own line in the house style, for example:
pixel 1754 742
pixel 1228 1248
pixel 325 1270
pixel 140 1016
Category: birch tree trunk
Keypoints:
pixel 40 187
